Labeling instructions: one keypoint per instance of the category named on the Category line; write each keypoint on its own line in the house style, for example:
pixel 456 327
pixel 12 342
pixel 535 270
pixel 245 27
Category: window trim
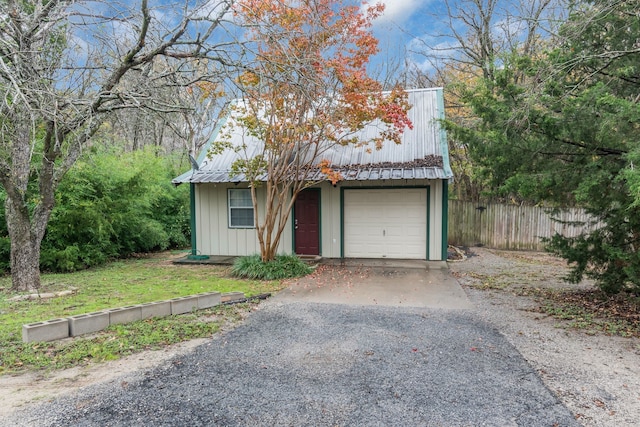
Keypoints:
pixel 230 208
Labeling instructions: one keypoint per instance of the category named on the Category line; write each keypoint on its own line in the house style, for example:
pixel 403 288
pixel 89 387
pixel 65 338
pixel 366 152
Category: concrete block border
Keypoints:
pixel 232 296
pixel 155 309
pixel 55 329
pixel 86 323
pixel 209 299
pixel 49 330
pixel 128 314
pixel 184 304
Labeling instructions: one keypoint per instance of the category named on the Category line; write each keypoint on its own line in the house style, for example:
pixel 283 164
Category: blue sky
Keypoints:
pixel 408 26
pixel 403 23
pixel 412 16
pixel 405 28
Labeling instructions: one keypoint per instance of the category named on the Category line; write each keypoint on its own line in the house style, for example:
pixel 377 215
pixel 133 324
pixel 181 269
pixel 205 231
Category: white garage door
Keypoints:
pixel 390 223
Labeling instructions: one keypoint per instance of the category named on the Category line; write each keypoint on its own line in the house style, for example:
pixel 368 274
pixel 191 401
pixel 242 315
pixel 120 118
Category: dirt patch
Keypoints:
pixel 18 391
pixel 594 372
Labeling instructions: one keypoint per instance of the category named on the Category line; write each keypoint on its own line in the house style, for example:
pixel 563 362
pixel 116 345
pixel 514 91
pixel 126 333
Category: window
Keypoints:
pixel 240 208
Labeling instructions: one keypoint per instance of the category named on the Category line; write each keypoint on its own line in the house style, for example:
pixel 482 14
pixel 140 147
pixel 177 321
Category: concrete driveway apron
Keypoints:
pixel 320 354
pixel 400 283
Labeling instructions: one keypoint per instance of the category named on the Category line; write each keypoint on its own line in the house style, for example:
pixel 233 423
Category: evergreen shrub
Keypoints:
pixel 111 205
pixel 282 267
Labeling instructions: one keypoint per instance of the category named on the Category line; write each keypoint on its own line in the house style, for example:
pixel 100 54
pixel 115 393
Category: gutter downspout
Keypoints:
pixel 445 218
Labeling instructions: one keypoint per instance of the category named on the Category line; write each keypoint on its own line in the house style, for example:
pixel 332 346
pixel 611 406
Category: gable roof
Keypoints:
pixel 423 153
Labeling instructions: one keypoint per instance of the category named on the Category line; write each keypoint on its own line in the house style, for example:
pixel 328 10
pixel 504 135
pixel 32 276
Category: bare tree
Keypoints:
pixel 479 33
pixel 196 122
pixel 62 68
pixel 197 104
pixel 478 39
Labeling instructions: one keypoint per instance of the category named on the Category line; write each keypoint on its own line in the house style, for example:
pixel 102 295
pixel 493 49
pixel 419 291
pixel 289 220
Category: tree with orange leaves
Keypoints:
pixel 306 90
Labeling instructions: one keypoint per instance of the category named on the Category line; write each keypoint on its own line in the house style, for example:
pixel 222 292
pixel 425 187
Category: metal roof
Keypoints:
pixel 422 154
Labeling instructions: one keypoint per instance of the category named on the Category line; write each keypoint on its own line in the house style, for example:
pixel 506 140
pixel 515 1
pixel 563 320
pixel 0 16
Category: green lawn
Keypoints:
pixel 115 285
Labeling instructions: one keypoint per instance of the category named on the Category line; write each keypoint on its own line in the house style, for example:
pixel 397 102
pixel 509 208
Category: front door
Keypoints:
pixel 306 220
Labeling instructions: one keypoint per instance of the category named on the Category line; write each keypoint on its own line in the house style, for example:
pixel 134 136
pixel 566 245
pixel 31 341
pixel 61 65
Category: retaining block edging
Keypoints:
pixel 127 314
pixel 232 296
pixel 155 309
pixel 48 330
pixel 209 299
pixel 80 324
pixel 184 304
pixel 87 323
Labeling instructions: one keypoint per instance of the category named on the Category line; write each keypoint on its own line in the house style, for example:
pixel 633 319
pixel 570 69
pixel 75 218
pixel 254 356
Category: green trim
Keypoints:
pixel 342 222
pixel 384 187
pixel 445 219
pixel 214 136
pixel 428 252
pixel 185 177
pixel 182 178
pixel 444 145
pixel 319 221
pixel 192 208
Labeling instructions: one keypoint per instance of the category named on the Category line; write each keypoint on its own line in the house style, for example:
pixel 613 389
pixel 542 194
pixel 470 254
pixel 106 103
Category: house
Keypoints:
pixel 392 202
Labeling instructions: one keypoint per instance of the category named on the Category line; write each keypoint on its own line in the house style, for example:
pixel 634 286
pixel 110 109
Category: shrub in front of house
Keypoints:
pixel 113 204
pixel 282 267
pixel 110 205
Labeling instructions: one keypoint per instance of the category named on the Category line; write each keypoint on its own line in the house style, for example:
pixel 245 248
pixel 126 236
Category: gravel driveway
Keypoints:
pixel 357 366
pixel 309 364
pixel 596 376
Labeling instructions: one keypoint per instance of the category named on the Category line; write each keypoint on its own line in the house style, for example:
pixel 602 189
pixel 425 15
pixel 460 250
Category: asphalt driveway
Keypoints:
pixel 301 363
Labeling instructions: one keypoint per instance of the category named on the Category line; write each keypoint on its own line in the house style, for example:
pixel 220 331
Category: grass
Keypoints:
pixel 592 311
pixel 115 285
pixel 118 340
pixel 588 310
pixel 495 282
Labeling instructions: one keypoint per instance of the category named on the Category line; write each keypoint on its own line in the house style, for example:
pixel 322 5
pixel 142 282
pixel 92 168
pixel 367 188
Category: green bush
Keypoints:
pixel 115 204
pixel 282 267
pixel 111 204
pixel 5 253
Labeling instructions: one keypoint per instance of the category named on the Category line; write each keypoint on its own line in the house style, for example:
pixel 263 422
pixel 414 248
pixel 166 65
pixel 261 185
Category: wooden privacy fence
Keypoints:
pixel 502 226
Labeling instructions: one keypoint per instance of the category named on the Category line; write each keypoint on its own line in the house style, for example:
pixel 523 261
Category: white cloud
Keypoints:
pixel 433 46
pixel 213 10
pixel 426 53
pixel 398 11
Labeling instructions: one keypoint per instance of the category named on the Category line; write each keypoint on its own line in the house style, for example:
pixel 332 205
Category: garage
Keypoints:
pixel 385 223
pixel 391 202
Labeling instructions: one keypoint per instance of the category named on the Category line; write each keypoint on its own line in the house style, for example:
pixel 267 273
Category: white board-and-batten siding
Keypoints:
pixel 215 237
pixel 213 234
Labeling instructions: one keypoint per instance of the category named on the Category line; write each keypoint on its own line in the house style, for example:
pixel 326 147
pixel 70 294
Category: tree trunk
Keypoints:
pixel 25 249
pixel 25 266
pixel 278 208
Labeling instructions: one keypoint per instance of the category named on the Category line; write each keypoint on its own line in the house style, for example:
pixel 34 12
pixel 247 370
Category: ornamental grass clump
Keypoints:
pixel 282 267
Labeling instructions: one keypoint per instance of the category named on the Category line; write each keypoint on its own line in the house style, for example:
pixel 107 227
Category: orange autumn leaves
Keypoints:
pixel 332 175
pixel 308 73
